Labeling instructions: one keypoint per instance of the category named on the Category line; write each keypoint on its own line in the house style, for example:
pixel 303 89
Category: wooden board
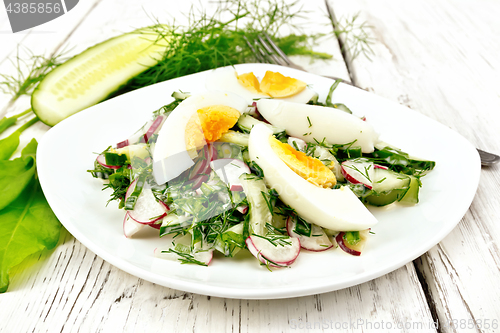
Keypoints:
pixel 440 58
pixel 429 67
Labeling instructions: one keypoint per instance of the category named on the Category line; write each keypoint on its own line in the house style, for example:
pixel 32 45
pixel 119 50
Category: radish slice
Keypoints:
pixel 236 188
pixel 130 227
pixel 212 152
pixel 377 166
pixel 199 180
pixel 153 128
pixel 155 225
pixel 318 241
pixel 343 245
pixel 167 208
pixel 358 171
pixel 122 144
pixel 139 135
pixel 202 166
pixel 229 171
pixel 102 161
pixel 275 256
pixel 243 209
pixel 202 256
pixel 355 250
pixel 147 210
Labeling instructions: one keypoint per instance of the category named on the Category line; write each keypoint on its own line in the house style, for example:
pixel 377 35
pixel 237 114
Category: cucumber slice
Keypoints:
pixel 411 196
pixel 247 122
pixel 235 137
pixel 254 187
pixel 94 74
pixel 388 186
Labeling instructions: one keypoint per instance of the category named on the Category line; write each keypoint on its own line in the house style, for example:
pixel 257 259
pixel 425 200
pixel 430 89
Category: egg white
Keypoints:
pixel 226 79
pixel 170 155
pixel 338 209
pixel 313 122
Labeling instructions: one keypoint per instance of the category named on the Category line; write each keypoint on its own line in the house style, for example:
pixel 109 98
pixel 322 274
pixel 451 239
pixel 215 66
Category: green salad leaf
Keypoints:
pixel 27 226
pixel 16 175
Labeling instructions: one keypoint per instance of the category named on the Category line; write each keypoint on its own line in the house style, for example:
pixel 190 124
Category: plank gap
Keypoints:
pixel 343 51
pixel 417 263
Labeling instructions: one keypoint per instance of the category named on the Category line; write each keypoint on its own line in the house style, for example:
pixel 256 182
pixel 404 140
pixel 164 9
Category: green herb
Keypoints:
pixel 7 122
pixel 185 258
pixel 9 144
pixel 215 40
pixel 29 73
pixel 328 101
pixel 342 107
pixel 352 237
pixel 256 169
pixel 28 224
pixel 302 227
pixel 353 36
pixel 276 239
pixel 270 200
pixel 309 121
pixel 16 175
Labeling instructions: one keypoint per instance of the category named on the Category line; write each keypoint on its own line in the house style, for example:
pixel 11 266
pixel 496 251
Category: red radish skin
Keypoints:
pixel 199 180
pixel 156 124
pixel 344 247
pixel 130 227
pixel 167 208
pixel 377 166
pixel 102 161
pixel 122 144
pixel 243 209
pixel 265 252
pixel 314 244
pixel 236 188
pixel 155 225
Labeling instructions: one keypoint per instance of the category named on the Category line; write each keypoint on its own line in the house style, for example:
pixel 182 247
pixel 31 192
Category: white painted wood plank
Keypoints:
pixel 70 289
pixel 440 58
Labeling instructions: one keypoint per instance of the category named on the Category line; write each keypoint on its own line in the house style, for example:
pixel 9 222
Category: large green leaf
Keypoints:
pixel 27 226
pixel 16 174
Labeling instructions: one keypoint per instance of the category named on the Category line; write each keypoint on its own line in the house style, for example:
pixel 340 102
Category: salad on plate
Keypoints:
pixel 256 165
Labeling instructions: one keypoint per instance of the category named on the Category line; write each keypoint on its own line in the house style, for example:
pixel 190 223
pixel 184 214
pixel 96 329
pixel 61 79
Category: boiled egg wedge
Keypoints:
pixel 313 123
pixel 312 199
pixel 198 120
pixel 247 85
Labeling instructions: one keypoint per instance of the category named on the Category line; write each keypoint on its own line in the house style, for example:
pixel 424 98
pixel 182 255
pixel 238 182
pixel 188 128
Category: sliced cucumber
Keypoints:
pixel 235 137
pixel 94 74
pixel 246 122
pixel 139 150
pixel 255 189
pixel 388 186
pixel 411 196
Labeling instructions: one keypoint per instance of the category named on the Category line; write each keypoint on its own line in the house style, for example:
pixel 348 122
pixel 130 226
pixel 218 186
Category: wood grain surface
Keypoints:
pixel 437 57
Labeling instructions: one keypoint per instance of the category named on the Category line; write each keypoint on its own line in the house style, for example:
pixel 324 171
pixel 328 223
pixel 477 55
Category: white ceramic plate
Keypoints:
pixel 403 233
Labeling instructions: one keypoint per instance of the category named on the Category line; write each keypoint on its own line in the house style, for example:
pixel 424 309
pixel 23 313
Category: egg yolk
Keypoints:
pixel 208 124
pixel 277 85
pixel 250 82
pixel 309 168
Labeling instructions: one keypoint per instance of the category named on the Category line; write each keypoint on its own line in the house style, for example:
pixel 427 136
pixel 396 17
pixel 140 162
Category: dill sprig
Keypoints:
pixel 29 72
pixel 216 40
pixel 185 258
pixel 356 39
